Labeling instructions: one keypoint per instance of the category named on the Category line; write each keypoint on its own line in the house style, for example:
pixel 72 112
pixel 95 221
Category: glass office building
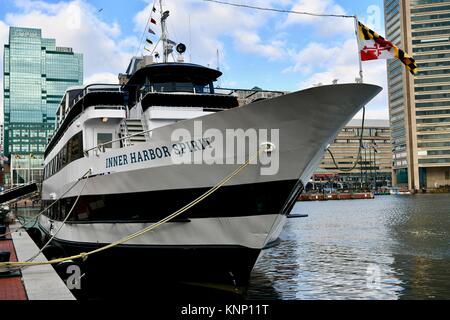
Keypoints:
pixel 36 75
pixel 420 105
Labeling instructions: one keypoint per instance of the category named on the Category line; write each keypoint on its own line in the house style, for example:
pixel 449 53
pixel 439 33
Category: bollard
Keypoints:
pixel 4 272
pixel 2 231
pixel 4 256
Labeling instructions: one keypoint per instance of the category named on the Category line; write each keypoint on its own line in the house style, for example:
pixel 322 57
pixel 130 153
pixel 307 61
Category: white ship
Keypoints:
pixel 135 180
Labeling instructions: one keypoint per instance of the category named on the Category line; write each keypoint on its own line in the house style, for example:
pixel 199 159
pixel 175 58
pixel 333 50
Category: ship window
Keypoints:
pixel 182 87
pixel 173 87
pixel 63 157
pixel 58 161
pixel 72 151
pixel 75 147
pixel 201 89
pixel 103 138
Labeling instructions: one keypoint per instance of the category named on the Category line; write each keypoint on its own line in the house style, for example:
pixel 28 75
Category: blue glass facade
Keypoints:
pixel 36 75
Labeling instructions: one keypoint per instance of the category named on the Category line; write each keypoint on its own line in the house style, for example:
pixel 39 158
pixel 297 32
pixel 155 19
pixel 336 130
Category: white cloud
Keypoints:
pixel 324 26
pixel 28 6
pixel 75 24
pixel 209 24
pixel 103 77
pixel 4 34
pixel 322 64
pixel 317 56
pixel 374 113
pixel 250 42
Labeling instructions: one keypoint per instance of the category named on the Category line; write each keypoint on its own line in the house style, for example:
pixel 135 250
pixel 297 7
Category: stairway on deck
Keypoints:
pixel 132 127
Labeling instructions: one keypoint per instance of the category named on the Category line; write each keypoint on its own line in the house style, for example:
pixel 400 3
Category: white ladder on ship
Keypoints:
pixel 134 129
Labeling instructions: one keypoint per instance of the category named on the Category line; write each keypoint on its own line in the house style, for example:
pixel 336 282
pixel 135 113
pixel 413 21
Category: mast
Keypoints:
pixel 218 60
pixel 164 16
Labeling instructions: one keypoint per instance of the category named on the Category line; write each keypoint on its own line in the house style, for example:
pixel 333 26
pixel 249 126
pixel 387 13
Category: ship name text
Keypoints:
pixel 145 155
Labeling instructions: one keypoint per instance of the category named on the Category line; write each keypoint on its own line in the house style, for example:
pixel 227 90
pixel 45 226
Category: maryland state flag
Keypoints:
pixel 373 46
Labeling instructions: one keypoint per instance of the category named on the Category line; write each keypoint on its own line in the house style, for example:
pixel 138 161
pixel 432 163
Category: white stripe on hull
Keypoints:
pixel 175 177
pixel 249 231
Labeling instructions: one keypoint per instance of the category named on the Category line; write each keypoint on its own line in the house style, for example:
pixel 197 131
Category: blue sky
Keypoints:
pixel 256 48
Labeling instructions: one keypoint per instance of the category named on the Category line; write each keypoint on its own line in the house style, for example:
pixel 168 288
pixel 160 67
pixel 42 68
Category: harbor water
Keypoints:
pixel 390 247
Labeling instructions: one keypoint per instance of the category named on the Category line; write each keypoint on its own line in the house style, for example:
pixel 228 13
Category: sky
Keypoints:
pixel 274 51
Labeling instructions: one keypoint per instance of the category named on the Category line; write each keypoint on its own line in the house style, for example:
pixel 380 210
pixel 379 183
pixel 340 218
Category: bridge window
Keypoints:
pixel 181 87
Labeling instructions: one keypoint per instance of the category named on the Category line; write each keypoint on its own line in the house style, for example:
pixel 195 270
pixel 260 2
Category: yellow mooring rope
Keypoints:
pixel 85 255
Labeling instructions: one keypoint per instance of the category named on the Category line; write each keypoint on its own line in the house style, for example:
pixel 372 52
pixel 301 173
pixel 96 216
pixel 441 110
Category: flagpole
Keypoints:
pixel 359 53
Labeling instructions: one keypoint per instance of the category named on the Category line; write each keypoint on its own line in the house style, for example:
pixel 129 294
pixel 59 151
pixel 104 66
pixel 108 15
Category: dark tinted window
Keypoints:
pixel 73 150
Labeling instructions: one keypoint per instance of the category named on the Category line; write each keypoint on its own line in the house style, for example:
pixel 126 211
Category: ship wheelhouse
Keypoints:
pixel 164 93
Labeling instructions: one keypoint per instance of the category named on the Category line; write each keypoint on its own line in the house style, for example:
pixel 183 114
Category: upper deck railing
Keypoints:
pixel 87 89
pixel 69 116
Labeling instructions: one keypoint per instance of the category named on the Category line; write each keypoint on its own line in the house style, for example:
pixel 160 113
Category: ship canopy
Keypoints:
pixel 171 77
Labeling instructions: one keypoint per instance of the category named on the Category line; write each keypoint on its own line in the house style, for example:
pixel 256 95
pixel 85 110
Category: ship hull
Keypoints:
pixel 229 265
pixel 222 237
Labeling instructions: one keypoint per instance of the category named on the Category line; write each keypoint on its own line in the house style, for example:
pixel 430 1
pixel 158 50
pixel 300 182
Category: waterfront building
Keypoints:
pixel 419 105
pixel 372 171
pixel 2 140
pixel 2 159
pixel 36 75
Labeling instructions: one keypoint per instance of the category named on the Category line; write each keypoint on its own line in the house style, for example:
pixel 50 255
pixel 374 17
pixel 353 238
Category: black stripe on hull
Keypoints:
pixel 229 201
pixel 228 265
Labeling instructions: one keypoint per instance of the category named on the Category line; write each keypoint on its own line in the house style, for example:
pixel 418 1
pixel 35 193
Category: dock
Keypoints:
pixel 32 283
pixel 335 196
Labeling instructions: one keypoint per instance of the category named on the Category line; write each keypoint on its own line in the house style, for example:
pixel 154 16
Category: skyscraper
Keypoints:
pixel 419 105
pixel 36 75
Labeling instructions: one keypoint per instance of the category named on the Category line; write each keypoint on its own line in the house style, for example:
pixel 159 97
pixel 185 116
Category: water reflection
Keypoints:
pixel 423 242
pixel 386 248
pixel 269 276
